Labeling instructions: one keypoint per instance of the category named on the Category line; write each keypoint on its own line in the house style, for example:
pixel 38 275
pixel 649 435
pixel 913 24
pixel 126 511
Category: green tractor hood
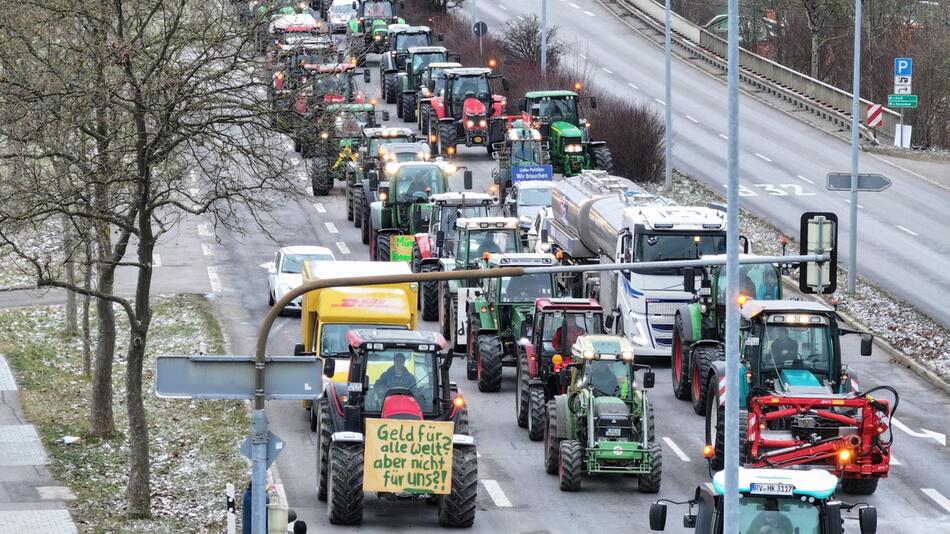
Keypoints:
pixel 566 129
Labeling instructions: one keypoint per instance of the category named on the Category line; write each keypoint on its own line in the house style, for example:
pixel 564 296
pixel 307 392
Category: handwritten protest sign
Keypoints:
pixel 408 456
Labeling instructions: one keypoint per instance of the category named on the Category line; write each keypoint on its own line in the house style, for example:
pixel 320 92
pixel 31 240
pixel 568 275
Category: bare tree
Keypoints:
pixel 522 41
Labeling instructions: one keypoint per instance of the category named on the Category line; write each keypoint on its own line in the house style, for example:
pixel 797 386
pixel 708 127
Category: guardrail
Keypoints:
pixel 819 98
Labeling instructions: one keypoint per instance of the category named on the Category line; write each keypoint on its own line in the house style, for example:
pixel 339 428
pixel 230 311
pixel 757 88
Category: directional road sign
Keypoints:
pixel 274 446
pixel 841 181
pixel 903 66
pixel 902 101
pixel 232 377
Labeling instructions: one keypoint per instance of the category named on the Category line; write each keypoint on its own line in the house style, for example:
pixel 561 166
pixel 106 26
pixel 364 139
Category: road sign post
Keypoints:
pixel 480 29
pixel 903 96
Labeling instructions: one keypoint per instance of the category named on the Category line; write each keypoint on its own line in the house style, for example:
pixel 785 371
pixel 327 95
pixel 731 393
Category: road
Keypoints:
pixel 515 494
pixel 904 232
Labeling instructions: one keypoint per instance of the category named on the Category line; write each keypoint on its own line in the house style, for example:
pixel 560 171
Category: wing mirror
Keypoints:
pixel 298 349
pixel 440 36
pixel 593 103
pixel 467 179
pixel 440 239
pixel 867 343
pixel 373 180
pixel 649 380
pixel 657 516
pixel 366 76
pixel 329 367
pixel 385 116
pixel 689 280
pixel 608 321
pixel 505 85
pixel 544 237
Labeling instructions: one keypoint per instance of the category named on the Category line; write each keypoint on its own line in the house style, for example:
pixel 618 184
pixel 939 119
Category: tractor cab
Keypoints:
pixel 447 208
pixel 401 38
pixel 330 83
pixel 463 109
pixel 373 139
pixel 372 21
pixel 571 148
pixel 491 235
pixel 403 152
pixel 771 500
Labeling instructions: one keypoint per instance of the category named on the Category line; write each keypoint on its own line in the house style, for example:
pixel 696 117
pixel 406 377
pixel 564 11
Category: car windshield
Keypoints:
pixel 421 61
pixel 333 336
pixel 351 123
pixel 471 86
pixel 760 282
pixel 609 378
pixel 796 347
pixel 525 152
pixel 491 241
pixel 772 515
pixel 526 288
pixel 671 247
pixel 377 9
pixel 452 213
pixel 534 197
pixel 331 83
pixel 571 324
pixel 405 40
pixel 419 181
pixel 293 263
pixel 390 369
pixel 556 109
pixel 342 9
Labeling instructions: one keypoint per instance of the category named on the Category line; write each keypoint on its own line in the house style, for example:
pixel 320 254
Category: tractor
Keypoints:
pixel 500 313
pixel 330 142
pixel 403 208
pixel 604 423
pixel 800 406
pixel 461 113
pixel 770 500
pixel 475 237
pixel 699 326
pixel 392 61
pixel 388 153
pixel 368 32
pixel 440 238
pixel 323 85
pixel 521 145
pixel 571 148
pixel 375 388
pixel 544 358
pixel 431 82
pixel 409 79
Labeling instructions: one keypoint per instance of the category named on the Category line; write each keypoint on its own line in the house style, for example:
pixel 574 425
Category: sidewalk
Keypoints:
pixel 30 500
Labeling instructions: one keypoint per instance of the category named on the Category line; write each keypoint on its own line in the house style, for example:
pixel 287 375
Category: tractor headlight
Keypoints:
pixel 483 123
pixel 573 148
pixel 639 336
pixel 469 123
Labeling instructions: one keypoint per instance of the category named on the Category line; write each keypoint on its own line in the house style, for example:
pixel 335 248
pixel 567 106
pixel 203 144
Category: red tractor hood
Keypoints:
pixel 473 107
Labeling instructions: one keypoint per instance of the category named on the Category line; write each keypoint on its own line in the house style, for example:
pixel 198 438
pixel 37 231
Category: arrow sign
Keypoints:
pixel 274 446
pixel 841 181
pixel 924 433
pixel 233 377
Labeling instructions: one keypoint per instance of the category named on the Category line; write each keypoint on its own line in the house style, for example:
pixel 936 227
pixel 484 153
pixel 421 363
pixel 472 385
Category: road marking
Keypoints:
pixel 589 14
pixel 331 227
pixel 213 279
pixel 631 84
pixel 582 55
pixel 692 119
pixel 503 7
pixel 207 250
pixel 319 207
pixel 724 136
pixel 662 103
pixel 802 178
pixel 204 230
pixel 911 232
pixel 676 450
pixel 605 69
pixel 763 158
pixel 894 460
pixel 342 247
pixel 575 6
pixel 924 433
pixel 848 200
pixel 937 497
pixel 156 260
pixel 495 492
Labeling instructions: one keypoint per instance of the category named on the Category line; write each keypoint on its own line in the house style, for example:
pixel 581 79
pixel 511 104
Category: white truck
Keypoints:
pixel 599 218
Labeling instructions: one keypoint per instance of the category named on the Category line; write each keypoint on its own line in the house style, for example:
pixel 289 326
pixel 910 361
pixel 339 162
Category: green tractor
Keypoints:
pixel 367 157
pixel 501 313
pixel 522 145
pixel 572 149
pixel 409 79
pixel 369 30
pixel 604 423
pixel 393 60
pixel 403 208
pixel 333 141
pixel 699 326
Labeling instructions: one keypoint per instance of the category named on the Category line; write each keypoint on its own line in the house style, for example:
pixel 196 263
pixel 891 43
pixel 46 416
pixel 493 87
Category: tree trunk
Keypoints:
pixel 814 54
pixel 101 417
pixel 87 285
pixel 138 491
pixel 72 328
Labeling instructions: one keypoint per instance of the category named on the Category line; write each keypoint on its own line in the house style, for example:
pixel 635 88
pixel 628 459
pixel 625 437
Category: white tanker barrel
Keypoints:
pixel 588 213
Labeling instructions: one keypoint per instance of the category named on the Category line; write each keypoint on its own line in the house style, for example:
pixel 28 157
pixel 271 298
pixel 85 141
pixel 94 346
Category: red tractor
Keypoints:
pixel 543 363
pixel 461 113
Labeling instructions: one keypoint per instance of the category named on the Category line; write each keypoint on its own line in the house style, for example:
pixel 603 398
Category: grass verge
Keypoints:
pixel 193 444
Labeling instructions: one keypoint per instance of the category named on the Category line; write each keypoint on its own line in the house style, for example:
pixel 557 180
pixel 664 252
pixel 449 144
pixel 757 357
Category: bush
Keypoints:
pixel 522 42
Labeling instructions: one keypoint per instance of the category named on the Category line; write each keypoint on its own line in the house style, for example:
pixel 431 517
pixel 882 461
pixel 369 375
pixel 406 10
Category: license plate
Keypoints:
pixel 768 488
pixel 613 432
pixel 478 139
pixel 354 387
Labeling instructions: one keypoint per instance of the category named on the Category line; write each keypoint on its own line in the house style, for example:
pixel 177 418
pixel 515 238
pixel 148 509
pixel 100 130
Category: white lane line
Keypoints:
pixel 676 450
pixel 692 119
pixel 848 200
pixel 605 69
pixel 894 460
pixel 911 232
pixel 214 279
pixel 937 498
pixel 204 230
pixel 635 86
pixel 495 492
pixel 589 14
pixel 319 207
pixel 341 246
pixel 207 249
pixel 763 158
pixel 724 136
pixel 503 7
pixel 662 103
pixel 331 227
pixel 802 178
pixel 583 56
pixel 575 6
pixel 156 260
pixel 924 433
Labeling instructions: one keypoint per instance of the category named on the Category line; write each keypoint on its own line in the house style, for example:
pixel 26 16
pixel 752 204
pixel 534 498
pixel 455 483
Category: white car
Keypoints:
pixel 526 199
pixel 285 272
pixel 340 13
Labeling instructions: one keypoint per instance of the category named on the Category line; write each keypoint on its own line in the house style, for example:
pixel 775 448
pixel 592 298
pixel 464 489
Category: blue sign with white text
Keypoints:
pixel 525 173
pixel 903 66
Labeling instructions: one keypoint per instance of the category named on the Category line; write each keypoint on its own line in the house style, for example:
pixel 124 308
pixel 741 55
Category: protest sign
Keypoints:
pixel 408 456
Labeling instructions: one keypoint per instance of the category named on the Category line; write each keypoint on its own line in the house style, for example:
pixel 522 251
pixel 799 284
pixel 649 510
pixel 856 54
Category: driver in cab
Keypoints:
pixel 397 376
pixel 417 185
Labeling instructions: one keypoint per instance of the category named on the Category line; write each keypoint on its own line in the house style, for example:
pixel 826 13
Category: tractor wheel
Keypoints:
pixel 447 135
pixel 536 414
pixel 700 363
pixel 471 349
pixel 270 300
pixel 430 296
pixel 364 219
pixel 382 247
pixel 679 364
pixel 320 180
pixel 432 134
pixel 416 266
pixel 457 509
pixel 447 325
pixel 314 413
pixel 716 430
pixel 423 119
pixel 399 104
pixel 602 158
pixel 522 395
pixel 345 491
pixel 490 354
pixel 357 207
pixel 349 206
pixel 392 88
pixel 859 486
pixel 409 107
pixel 324 433
pixel 552 444
pixel 650 482
pixel 461 421
pixel 571 465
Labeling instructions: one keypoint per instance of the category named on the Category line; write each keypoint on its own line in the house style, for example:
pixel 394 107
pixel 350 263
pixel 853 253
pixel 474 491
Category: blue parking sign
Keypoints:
pixel 903 66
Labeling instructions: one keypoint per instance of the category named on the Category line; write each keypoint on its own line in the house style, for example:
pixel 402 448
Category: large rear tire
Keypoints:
pixel 490 354
pixel 430 296
pixel 571 466
pixel 552 444
pixel 447 136
pixel 859 486
pixel 391 88
pixel 345 492
pixel 650 482
pixel 409 107
pixel 320 180
pixel 700 363
pixel 324 433
pixel 522 393
pixel 679 364
pixel 457 509
pixel 716 430
pixel 364 219
pixel 423 118
pixel 536 407
pixel 602 158
pixel 382 247
pixel 357 206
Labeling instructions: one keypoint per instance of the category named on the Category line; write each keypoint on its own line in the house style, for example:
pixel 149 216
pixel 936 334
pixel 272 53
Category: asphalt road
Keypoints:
pixel 515 495
pixel 903 233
